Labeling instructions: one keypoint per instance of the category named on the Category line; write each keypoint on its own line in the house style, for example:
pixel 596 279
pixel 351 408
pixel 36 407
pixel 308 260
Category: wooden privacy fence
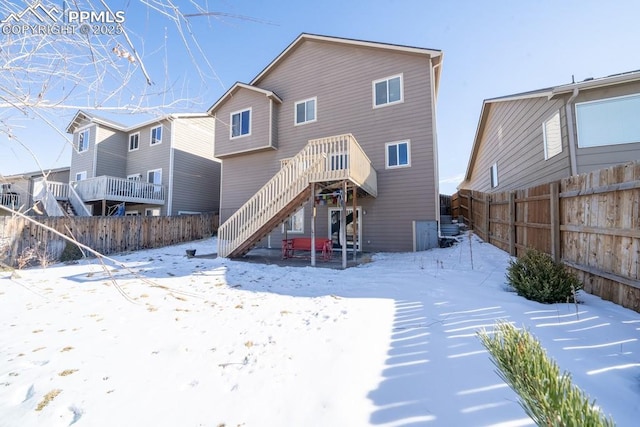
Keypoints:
pixel 590 222
pixel 106 235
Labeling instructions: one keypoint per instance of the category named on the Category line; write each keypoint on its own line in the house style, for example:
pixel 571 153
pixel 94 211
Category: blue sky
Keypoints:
pixel 491 48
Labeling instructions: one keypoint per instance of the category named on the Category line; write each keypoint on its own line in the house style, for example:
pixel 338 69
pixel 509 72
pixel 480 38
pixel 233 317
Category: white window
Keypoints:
pixel 305 111
pixel 135 177
pixel 131 213
pixel 552 136
pixel 188 213
pixel 387 91
pixel 154 176
pixel 156 135
pixel 398 154
pixel 134 141
pixel 295 223
pixel 494 175
pixel 80 176
pixel 152 212
pixel 608 121
pixel 241 123
pixel 83 141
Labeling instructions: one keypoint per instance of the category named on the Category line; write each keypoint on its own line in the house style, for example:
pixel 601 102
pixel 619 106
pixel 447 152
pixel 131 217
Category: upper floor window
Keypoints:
pixel 134 141
pixel 241 123
pixel 156 135
pixel 387 91
pixel 306 111
pixel 83 141
pixel 552 136
pixel 494 175
pixel 398 154
pixel 154 176
pixel 608 121
pixel 80 176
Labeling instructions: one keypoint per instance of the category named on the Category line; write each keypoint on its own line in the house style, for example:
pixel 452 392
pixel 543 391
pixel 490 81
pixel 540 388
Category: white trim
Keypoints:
pixel 315 111
pixel 386 154
pixel 171 166
pixel 359 219
pixel 287 222
pixel 386 79
pixel 231 123
pixel 155 170
pixel 151 143
pixel 601 101
pixel 85 140
pixel 188 213
pixel 545 141
pixel 153 211
pixel 493 170
pixel 129 141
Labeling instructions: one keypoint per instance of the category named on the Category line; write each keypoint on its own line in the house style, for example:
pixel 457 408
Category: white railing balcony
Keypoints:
pixel 10 200
pixel 119 189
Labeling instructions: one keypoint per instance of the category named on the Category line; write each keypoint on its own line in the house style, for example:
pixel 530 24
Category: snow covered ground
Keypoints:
pixel 214 342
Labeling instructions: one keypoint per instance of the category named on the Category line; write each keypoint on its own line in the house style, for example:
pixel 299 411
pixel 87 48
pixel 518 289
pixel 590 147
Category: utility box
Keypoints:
pixel 425 235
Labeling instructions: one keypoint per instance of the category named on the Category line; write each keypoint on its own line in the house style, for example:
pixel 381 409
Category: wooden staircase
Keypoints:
pixel 321 160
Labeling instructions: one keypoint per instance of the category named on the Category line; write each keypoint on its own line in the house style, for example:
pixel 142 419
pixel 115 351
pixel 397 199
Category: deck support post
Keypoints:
pixel 313 224
pixel 355 223
pixel 343 224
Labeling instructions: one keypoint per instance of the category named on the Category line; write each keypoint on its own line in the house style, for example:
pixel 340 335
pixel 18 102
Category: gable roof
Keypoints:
pixel 548 93
pixel 83 115
pixel 237 86
pixel 253 85
pixel 432 53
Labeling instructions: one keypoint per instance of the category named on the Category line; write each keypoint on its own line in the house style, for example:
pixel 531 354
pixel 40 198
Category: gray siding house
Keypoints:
pixel 160 167
pixel 330 126
pixel 535 137
pixel 24 192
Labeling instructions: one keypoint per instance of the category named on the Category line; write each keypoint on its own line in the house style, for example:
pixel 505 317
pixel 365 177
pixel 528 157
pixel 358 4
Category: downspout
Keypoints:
pixel 436 174
pixel 571 134
pixel 170 189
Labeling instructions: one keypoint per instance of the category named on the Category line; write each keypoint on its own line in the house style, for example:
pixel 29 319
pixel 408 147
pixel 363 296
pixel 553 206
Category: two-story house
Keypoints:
pixel 164 166
pixel 330 127
pixel 535 137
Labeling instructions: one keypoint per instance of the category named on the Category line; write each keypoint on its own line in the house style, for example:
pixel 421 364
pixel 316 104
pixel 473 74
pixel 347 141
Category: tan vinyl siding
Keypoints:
pixel 513 137
pixel 81 162
pixel 243 99
pixel 593 158
pixel 340 77
pixel 196 173
pixel 149 157
pixel 112 152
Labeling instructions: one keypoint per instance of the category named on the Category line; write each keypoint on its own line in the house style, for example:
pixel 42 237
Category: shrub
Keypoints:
pixel 71 252
pixel 537 277
pixel 550 399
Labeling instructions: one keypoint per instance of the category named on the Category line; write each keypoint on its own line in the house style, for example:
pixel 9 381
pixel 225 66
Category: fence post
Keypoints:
pixel 554 207
pixel 487 215
pixel 469 211
pixel 512 223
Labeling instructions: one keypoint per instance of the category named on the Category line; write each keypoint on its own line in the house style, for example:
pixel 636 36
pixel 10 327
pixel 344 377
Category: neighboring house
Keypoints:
pixel 24 192
pixel 536 137
pixel 162 167
pixel 330 114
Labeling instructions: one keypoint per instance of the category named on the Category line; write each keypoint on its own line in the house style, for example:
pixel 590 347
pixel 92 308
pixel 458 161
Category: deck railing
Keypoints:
pixel 119 189
pixel 324 159
pixel 10 200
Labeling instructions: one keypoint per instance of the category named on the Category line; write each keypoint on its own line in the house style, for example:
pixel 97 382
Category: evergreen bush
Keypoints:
pixel 537 277
pixel 550 399
pixel 71 252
